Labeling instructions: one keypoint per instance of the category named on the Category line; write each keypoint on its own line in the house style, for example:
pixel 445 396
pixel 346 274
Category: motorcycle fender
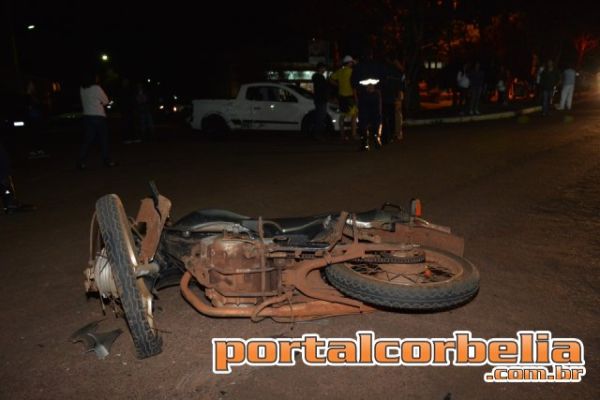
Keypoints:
pixel 426 237
pixel 154 217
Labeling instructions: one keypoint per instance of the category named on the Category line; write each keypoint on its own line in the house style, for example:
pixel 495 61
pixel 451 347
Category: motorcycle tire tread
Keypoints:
pixel 405 297
pixel 110 215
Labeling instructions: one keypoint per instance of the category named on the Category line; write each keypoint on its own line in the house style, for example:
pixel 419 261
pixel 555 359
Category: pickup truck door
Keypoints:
pixel 273 108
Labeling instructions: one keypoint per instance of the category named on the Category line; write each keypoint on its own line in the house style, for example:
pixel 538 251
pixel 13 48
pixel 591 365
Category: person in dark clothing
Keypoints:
pixel 392 88
pixel 9 200
pixel 321 96
pixel 490 82
pixel 365 79
pixel 127 105
pixel 35 121
pixel 143 105
pixel 548 81
pixel 476 81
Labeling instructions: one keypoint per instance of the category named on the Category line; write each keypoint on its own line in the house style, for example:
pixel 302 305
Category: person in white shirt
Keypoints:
pixel 568 85
pixel 463 83
pixel 93 101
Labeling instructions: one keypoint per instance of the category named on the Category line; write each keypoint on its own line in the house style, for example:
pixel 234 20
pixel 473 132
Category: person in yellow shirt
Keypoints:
pixel 341 79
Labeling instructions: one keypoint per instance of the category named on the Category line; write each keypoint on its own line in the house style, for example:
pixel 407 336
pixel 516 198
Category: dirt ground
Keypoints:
pixel 524 193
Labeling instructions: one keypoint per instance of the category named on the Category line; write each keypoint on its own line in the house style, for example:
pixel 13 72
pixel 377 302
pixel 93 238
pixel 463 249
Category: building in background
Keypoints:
pixel 301 72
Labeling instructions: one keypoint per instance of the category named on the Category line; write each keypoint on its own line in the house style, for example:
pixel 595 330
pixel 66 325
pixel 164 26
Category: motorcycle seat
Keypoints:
pixel 215 220
pixel 197 220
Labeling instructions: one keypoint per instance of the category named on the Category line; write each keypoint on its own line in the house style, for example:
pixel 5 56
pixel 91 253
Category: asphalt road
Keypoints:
pixel 524 193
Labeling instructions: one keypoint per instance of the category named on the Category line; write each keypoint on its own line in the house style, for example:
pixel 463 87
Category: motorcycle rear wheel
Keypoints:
pixel 134 298
pixel 442 281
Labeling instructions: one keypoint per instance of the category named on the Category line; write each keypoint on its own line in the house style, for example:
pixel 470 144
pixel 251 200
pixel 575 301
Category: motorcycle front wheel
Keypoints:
pixel 133 295
pixel 442 280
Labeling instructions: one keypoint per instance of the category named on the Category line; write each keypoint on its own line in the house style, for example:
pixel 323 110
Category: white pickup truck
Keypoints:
pixel 264 106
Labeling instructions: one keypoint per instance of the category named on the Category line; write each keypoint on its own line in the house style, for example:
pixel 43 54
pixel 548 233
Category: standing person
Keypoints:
pixel 365 79
pixel 463 83
pixel 144 112
pixel 502 86
pixel 568 86
pixel 548 80
pixel 448 83
pixel 538 78
pixel 341 79
pixel 34 122
pixel 392 87
pixel 476 79
pixel 490 83
pixel 93 101
pixel 321 95
pixel 399 103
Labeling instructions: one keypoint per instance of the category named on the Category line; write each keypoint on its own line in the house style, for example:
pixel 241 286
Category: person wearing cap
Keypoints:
pixel 365 79
pixel 341 79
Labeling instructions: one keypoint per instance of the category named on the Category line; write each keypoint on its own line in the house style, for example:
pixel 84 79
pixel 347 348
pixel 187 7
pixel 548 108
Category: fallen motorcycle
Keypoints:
pixel 287 269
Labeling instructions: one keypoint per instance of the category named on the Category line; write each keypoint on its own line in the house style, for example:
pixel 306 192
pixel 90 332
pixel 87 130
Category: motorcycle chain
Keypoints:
pixel 389 260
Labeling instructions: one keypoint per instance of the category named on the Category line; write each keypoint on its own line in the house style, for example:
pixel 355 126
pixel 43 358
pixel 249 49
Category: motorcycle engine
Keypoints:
pixel 233 270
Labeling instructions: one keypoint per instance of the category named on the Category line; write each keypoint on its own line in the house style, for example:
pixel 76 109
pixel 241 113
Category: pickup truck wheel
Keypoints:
pixel 308 124
pixel 214 125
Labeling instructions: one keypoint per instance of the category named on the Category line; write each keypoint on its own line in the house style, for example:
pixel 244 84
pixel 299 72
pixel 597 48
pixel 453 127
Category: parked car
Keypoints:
pixel 261 106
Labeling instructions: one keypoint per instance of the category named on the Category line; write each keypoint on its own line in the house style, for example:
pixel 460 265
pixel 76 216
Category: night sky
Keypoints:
pixel 166 40
pixel 183 43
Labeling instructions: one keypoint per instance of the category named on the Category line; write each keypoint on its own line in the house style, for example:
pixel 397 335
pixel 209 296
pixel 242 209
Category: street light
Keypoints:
pixel 104 57
pixel 31 27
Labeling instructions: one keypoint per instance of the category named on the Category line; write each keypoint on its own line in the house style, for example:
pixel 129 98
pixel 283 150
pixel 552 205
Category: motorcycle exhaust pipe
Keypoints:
pixel 317 308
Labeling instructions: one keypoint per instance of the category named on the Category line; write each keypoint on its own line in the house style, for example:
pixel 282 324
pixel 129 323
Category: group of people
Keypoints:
pixel 135 105
pixel 549 79
pixel 472 85
pixel 94 101
pixel 369 95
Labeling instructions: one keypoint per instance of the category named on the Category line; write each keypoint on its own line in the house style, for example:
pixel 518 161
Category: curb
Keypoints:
pixel 472 118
